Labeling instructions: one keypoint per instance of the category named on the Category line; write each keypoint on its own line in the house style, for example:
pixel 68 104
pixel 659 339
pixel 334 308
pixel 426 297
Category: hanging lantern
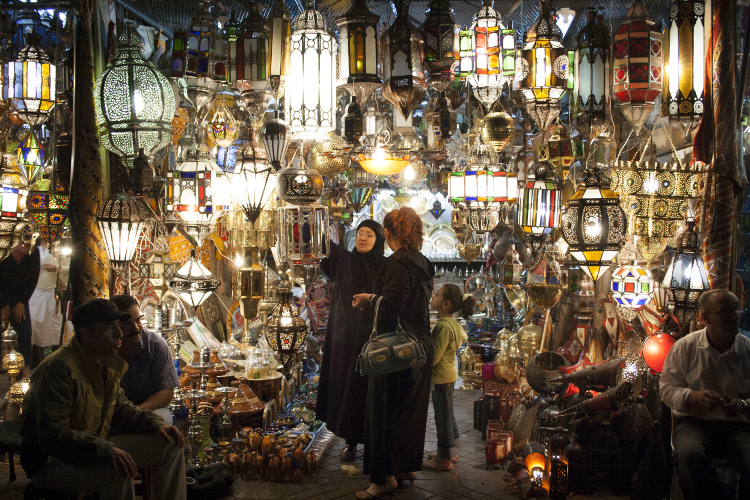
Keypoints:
pixel 30 82
pixel 631 286
pixel 248 60
pixel 498 129
pixel 362 184
pixel 655 350
pixel 135 103
pixel 223 129
pixel 559 150
pixel 325 156
pixel 380 161
pixel 593 59
pixel 684 52
pixel 594 224
pixel 686 279
pixel 159 269
pixel 637 72
pixel 303 240
pixel 252 183
pixel 193 50
pixel 411 177
pixel 30 157
pixel 481 155
pixel 310 104
pixel 276 138
pixel 47 204
pixel 441 50
pixel 251 279
pixel 403 70
pixel 141 176
pixel 656 198
pixel 285 331
pixel 299 185
pixel 539 203
pixel 281 26
pixel 12 194
pixel 121 220
pixel 359 52
pixel 354 122
pixel 542 68
pixel 193 282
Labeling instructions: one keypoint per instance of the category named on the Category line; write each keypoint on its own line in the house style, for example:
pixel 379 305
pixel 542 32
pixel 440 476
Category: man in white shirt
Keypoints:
pixel 706 383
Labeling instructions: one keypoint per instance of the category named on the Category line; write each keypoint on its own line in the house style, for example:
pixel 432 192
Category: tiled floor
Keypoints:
pixel 469 478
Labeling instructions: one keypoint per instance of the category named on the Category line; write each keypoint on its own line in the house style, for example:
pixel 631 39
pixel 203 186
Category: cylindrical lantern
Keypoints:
pixel 281 26
pixel 539 203
pixel 441 51
pixel 686 279
pixel 311 95
pixel 593 59
pixel 494 49
pixel 135 103
pixel 303 239
pixel 594 224
pixel 684 64
pixel 276 138
pixel 30 82
pixel 121 220
pixel 359 51
pixel 193 50
pixel 403 62
pixel 248 61
pixel 637 69
pixel 542 68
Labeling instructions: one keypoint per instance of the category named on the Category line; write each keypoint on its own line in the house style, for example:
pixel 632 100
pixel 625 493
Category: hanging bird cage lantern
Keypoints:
pixel 542 68
pixel 686 279
pixel 638 66
pixel 310 104
pixel 30 82
pixel 593 71
pixel 441 50
pixel 684 64
pixel 135 103
pixel 285 331
pixel 159 269
pixel 193 50
pixel 359 52
pixel 193 282
pixel 403 62
pixel 280 21
pixel 594 224
pixel 121 220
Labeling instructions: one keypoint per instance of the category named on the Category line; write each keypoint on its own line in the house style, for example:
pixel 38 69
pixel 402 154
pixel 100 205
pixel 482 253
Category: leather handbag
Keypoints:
pixel 391 352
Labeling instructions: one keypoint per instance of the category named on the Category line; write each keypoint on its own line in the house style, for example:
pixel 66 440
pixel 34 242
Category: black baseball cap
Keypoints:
pixel 96 311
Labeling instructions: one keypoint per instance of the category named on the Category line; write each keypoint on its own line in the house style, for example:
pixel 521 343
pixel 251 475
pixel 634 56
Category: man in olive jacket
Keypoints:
pixel 73 397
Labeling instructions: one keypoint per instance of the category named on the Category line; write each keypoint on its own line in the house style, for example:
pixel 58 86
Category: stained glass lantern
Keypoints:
pixel 247 57
pixel 310 104
pixel 280 21
pixel 493 58
pixel 656 199
pixel 223 128
pixel 539 203
pixel 684 64
pixel 403 62
pixel 686 279
pixel 299 185
pixel 30 82
pixel 47 205
pixel 441 50
pixel 193 50
pixel 362 184
pixel 303 239
pixel 594 72
pixel 12 194
pixel 542 68
pixel 465 53
pixel 135 103
pixel 276 137
pixel 594 224
pixel 559 150
pixel 359 52
pixel 253 181
pixel 285 331
pixel 30 157
pixel 159 269
pixel 121 220
pixel 193 282
pixel 631 286
pixel 498 129
pixel 637 69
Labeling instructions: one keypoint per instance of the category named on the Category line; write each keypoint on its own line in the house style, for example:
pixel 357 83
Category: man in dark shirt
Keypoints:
pixel 151 376
pixel 19 273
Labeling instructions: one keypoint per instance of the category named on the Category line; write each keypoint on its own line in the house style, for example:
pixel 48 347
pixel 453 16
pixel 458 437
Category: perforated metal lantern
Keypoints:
pixel 326 157
pixel 135 103
pixel 121 220
pixel 193 50
pixel 542 68
pixel 441 50
pixel 638 65
pixel 310 102
pixel 594 78
pixel 193 282
pixel 686 279
pixel 594 224
pixel 684 64
pixel 498 129
pixel 298 184
pixel 403 62
pixel 285 331
pixel 30 82
pixel 359 51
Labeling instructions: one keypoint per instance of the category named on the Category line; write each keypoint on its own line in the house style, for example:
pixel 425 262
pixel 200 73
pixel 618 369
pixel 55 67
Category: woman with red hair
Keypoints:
pixel 397 403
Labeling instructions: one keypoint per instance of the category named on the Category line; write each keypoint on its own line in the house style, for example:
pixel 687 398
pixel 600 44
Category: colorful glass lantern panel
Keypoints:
pixel 303 234
pixel 249 59
pixel 539 206
pixel 30 157
pixel 121 220
pixel 466 53
pixel 632 286
pixel 193 54
pixel 160 269
pixel 30 82
pixel 48 209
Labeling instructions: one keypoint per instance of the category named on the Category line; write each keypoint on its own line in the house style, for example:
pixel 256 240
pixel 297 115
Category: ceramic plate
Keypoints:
pixel 387 203
pixel 442 227
pixel 427 247
pixel 444 244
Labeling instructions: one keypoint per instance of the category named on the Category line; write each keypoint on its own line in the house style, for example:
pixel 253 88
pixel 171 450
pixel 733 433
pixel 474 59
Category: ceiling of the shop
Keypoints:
pixel 174 15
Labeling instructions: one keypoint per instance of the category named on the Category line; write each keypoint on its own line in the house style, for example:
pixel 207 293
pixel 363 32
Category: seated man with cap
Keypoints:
pixel 73 398
pixel 151 376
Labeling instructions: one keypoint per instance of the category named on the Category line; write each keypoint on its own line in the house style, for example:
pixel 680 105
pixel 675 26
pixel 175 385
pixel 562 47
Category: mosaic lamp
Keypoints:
pixel 135 103
pixel 359 52
pixel 47 206
pixel 121 220
pixel 631 285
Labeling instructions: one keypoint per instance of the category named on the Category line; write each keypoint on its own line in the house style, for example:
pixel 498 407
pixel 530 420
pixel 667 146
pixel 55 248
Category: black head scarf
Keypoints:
pixel 368 264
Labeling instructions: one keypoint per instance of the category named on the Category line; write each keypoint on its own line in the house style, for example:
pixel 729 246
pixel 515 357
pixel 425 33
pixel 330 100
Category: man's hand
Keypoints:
pixel 732 407
pixel 123 463
pixel 705 399
pixel 19 312
pixel 173 433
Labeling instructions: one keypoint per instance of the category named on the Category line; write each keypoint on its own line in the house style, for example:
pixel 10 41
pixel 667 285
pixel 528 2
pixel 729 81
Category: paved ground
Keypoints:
pixel 469 478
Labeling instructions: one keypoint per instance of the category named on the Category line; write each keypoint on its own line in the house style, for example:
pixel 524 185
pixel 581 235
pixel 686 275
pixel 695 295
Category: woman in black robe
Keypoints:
pixel 397 403
pixel 342 393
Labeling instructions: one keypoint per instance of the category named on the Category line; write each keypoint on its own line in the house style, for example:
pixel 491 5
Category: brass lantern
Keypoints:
pixel 593 59
pixel 359 51
pixel 159 269
pixel 30 82
pixel 594 224
pixel 542 68
pixel 403 70
pixel 637 70
pixel 280 22
pixel 441 50
pixel 251 280
pixel 121 220
pixel 285 331
pixel 498 129
pixel 248 62
pixel 13 363
pixel 684 62
pixel 325 156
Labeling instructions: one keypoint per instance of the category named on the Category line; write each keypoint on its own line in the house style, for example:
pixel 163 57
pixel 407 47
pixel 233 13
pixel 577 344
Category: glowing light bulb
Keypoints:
pixel 378 154
pixel 239 261
pixel 593 228
pixel 651 185
pixel 66 250
pixel 138 102
pixel 285 321
pixel 409 174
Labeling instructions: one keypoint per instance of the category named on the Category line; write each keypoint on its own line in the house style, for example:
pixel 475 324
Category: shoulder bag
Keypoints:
pixel 391 352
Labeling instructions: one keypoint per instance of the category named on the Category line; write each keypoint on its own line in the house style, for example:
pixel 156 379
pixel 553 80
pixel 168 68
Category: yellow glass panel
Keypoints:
pixel 686 58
